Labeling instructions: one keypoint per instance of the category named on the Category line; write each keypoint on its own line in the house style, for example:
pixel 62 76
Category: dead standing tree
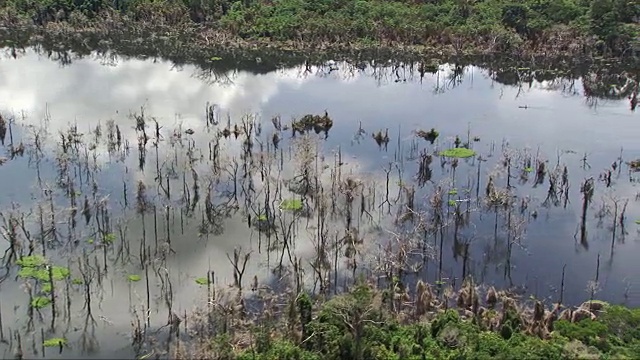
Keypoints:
pixel 239 263
pixel 587 189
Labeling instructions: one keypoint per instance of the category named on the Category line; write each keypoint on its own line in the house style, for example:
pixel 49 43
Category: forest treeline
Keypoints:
pixel 608 27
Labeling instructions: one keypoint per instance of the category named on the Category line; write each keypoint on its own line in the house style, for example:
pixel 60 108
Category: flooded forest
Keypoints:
pixel 156 210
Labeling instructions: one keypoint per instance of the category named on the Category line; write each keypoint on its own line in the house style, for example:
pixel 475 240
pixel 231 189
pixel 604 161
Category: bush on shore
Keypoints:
pixel 608 27
pixel 366 323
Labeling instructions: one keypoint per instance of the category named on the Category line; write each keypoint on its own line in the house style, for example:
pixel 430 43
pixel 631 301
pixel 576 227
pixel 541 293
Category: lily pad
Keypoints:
pixel 202 281
pixel 46 287
pixel 42 273
pixel 55 342
pixel 109 238
pixel 458 153
pixel 34 267
pixel 291 204
pixel 60 273
pixel 31 261
pixel 134 278
pixel 40 302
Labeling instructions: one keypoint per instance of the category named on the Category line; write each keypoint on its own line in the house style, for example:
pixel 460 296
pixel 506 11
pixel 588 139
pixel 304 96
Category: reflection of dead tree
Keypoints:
pixel 14 52
pixel 456 77
pixel 215 213
pixel 610 86
pixel 552 192
pixel 212 116
pixel 106 58
pixel 438 88
pixel 592 102
pixel 62 56
pixel 3 129
pixel 587 189
pixel 519 84
pixel 633 98
pixel 618 217
pixel 424 171
pixel 13 225
pixel 212 76
pixel 239 263
pixel 88 274
pixel 567 86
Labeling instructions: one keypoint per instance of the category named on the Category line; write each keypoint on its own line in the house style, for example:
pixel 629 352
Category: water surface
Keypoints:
pixel 553 119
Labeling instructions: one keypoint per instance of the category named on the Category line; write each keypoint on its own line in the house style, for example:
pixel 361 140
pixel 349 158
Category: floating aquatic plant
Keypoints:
pixel 42 273
pixel 109 238
pixel 134 278
pixel 528 169
pixel 291 204
pixel 40 302
pixel 458 153
pixel 35 267
pixel 60 273
pixel 453 192
pixel 263 223
pixel 47 287
pixel 202 281
pixel 31 261
pixel 55 342
pixel 637 222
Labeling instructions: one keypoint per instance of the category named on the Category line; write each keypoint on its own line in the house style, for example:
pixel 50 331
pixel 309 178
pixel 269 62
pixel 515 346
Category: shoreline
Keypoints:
pixel 192 43
pixel 127 40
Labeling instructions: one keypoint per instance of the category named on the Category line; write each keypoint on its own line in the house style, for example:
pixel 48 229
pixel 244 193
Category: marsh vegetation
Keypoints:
pixel 311 234
pixel 568 28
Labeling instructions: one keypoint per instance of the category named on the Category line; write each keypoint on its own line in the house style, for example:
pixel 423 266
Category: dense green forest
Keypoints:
pixel 605 26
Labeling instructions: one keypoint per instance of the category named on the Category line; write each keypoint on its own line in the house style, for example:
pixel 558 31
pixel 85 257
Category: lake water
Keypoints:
pixel 548 120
